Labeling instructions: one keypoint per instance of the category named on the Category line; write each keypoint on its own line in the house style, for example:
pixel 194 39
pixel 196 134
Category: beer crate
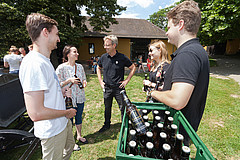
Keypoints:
pixel 202 152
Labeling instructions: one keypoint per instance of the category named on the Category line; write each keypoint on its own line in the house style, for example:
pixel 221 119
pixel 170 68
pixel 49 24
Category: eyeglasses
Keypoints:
pixel 107 45
pixel 150 50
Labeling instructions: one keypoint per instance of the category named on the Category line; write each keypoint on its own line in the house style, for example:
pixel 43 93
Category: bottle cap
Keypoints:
pixel 163 135
pixel 167 112
pixel 174 126
pixel 132 144
pixel 186 149
pixel 149 145
pixel 149 134
pixel 180 137
pixel 170 119
pixel 158 118
pixel 132 132
pixel 147 124
pixel 144 111
pixel 160 125
pixel 166 147
pixel 155 112
pixel 145 117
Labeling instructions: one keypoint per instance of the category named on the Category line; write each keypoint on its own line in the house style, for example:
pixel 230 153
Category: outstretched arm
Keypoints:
pixel 177 97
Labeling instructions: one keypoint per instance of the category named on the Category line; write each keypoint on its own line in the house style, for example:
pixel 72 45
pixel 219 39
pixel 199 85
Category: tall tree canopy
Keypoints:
pixel 220 20
pixel 159 18
pixel 66 12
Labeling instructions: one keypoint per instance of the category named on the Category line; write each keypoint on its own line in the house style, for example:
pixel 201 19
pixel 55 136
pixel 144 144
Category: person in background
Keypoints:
pixel 94 66
pixel 139 64
pixel 186 80
pixel 23 52
pixel 12 60
pixel 30 47
pixel 66 72
pixel 113 64
pixel 149 63
pixel 44 98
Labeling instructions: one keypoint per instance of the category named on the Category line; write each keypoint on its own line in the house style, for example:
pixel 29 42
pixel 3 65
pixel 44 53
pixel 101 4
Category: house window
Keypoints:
pixel 91 48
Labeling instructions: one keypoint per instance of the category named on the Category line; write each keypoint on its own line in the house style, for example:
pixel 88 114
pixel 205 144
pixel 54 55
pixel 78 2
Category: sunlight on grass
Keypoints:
pixel 219 128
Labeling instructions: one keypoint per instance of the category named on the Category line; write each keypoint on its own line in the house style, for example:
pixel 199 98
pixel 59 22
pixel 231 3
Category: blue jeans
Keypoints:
pixel 78 116
pixel 14 72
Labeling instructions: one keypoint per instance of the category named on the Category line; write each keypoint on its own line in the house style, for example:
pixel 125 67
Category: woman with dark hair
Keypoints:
pixel 69 73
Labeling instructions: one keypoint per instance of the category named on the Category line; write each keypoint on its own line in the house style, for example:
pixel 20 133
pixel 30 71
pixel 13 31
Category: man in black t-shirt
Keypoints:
pixel 113 82
pixel 187 78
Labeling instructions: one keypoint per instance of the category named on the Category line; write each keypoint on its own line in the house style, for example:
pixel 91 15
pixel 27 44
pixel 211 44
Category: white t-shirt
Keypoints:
pixel 13 61
pixel 37 73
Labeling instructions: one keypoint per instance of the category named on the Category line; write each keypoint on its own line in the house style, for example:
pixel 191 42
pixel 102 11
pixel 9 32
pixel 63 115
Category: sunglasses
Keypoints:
pixel 150 50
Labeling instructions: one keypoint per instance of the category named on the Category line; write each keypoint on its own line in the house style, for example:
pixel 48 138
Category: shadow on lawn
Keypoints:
pixel 112 133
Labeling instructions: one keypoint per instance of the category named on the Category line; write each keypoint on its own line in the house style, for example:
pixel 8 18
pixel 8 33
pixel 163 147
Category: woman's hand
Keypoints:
pixel 84 83
pixel 74 80
pixel 147 83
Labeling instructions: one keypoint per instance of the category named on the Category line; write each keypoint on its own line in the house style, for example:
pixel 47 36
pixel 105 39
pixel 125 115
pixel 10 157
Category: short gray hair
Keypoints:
pixel 113 38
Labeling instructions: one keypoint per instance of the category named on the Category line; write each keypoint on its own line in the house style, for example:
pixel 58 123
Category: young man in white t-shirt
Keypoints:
pixel 42 92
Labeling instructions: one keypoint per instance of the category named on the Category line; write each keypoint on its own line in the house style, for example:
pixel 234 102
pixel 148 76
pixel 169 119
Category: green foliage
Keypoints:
pixel 67 13
pixel 159 18
pixel 220 20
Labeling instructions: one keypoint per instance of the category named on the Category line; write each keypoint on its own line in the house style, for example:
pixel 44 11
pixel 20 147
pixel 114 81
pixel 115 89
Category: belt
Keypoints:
pixel 112 86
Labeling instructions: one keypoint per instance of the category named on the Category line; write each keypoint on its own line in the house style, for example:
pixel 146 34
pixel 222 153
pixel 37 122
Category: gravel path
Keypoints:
pixel 228 67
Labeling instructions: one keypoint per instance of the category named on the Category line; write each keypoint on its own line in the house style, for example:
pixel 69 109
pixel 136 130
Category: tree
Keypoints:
pixel 220 20
pixel 66 12
pixel 159 18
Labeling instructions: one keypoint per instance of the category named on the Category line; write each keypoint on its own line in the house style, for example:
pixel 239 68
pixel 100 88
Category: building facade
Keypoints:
pixel 134 35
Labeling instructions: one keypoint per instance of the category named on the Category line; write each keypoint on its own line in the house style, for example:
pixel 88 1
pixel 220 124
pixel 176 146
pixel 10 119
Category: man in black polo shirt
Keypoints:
pixel 113 82
pixel 186 80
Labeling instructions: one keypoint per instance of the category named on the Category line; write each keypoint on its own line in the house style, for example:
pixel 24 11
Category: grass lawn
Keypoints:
pixel 219 128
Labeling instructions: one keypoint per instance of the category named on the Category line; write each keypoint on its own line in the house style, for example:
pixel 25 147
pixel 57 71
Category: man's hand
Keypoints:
pixel 102 84
pixel 71 113
pixel 123 83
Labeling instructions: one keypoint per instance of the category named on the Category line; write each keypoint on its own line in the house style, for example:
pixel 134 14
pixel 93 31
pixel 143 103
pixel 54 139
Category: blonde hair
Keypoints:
pixel 161 46
pixel 113 38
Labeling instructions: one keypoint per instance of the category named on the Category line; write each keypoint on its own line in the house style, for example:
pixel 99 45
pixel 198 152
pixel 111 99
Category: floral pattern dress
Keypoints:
pixel 64 72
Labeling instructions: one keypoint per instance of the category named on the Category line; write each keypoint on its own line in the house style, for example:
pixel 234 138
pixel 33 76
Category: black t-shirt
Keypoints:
pixel 113 68
pixel 190 64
